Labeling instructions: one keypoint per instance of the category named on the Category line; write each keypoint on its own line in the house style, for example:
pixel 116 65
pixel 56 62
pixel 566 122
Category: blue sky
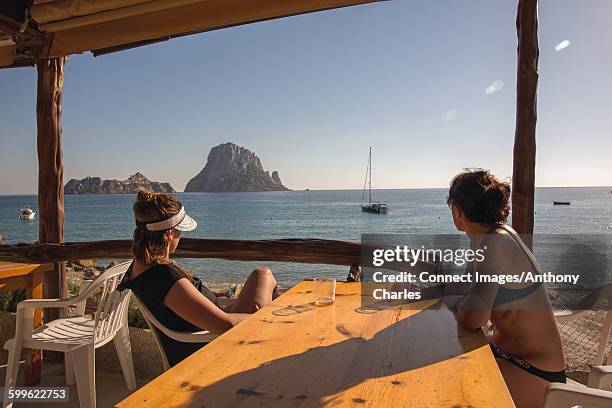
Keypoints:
pixel 309 94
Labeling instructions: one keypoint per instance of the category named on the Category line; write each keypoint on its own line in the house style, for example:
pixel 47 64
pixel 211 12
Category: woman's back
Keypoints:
pixel 524 322
pixel 151 286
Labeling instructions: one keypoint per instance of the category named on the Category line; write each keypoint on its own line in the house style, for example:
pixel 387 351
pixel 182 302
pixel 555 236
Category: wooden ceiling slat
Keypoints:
pixel 67 9
pixel 204 16
pixel 139 30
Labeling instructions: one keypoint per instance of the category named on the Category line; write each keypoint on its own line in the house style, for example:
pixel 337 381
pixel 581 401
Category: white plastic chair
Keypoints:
pixel 601 377
pixel 77 337
pixel 561 395
pixel 604 295
pixel 203 336
pixel 597 393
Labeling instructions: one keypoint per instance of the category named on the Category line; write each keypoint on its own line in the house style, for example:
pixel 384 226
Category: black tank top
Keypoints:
pixel 151 288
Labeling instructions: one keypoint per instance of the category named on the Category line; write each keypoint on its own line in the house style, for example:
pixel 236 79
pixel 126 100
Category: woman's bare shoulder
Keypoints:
pixel 498 239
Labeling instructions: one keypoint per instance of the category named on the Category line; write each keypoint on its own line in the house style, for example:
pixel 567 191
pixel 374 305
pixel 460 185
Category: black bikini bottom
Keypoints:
pixel 550 376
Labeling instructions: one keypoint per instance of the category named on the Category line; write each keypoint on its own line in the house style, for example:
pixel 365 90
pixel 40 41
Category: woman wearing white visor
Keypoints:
pixel 176 298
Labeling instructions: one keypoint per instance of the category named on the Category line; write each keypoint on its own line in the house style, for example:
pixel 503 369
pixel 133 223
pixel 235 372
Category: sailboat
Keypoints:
pixel 371 206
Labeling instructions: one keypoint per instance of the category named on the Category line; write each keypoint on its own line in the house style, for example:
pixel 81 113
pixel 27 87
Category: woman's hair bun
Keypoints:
pixel 481 196
pixel 145 195
pixel 495 201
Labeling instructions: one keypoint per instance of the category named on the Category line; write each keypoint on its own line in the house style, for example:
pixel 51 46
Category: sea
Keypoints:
pixel 328 214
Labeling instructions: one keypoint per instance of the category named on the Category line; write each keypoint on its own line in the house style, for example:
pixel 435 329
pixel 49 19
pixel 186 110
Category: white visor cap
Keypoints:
pixel 181 221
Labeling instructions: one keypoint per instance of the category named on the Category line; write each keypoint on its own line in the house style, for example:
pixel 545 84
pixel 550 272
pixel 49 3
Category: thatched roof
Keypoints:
pixel 56 28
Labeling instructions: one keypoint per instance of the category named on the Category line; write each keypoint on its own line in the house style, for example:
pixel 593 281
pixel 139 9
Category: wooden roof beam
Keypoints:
pixel 102 34
pixel 28 41
pixel 12 17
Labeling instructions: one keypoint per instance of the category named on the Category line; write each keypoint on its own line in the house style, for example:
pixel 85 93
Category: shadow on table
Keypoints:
pixel 428 337
pixel 291 310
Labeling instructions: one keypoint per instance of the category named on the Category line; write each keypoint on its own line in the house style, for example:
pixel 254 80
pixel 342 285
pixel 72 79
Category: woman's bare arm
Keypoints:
pixel 187 302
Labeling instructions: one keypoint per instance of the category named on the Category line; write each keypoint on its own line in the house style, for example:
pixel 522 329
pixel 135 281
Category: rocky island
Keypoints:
pixel 232 168
pixel 95 185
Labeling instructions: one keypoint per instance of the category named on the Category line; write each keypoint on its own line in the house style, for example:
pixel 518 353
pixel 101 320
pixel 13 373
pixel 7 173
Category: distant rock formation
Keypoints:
pixel 232 168
pixel 276 177
pixel 95 185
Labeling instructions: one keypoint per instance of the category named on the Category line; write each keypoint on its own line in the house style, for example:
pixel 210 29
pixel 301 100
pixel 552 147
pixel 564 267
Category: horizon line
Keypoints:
pixel 302 189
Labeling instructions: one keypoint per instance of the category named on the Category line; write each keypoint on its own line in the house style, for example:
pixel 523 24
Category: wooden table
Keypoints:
pixel 293 353
pixel 17 276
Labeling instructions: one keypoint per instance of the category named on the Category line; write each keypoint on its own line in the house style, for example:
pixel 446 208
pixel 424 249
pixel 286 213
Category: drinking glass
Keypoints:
pixel 325 291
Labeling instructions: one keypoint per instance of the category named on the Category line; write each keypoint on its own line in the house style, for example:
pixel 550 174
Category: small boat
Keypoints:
pixel 561 203
pixel 378 208
pixel 26 213
pixel 371 206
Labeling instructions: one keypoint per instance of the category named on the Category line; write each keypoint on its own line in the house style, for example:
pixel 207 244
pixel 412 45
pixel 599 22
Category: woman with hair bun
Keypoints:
pixel 526 340
pixel 176 298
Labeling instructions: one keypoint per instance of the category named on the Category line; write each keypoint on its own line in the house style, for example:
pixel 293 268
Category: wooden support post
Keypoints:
pixel 50 171
pixel 523 171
